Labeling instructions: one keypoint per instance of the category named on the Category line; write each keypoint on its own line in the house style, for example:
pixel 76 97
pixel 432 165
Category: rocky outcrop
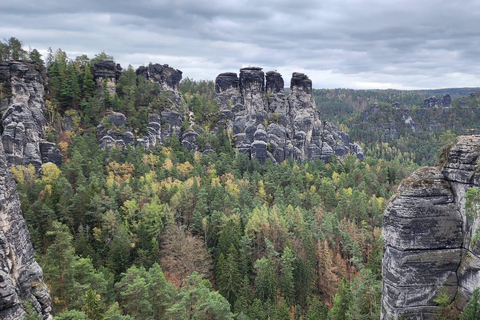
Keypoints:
pixel 22 120
pixel 21 284
pixel 433 102
pixel 270 124
pixel 267 122
pixel 168 78
pixel 115 131
pixel 428 238
pixel 107 72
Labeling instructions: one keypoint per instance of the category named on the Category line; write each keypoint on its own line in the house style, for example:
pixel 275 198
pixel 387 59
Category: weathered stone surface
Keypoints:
pixel 167 76
pixel 253 101
pixel 50 153
pixel 462 159
pixel 428 237
pixel 274 82
pixel 301 82
pixel 20 275
pixel 225 81
pixel 169 80
pixel 114 131
pixel 108 71
pixel 23 122
pixel 447 101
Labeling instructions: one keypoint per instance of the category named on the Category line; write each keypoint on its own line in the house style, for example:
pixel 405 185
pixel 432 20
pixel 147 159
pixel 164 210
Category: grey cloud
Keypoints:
pixel 338 43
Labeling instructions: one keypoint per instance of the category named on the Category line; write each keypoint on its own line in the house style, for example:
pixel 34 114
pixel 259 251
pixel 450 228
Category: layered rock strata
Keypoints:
pixel 21 284
pixel 107 73
pixel 270 124
pixel 22 116
pixel 428 238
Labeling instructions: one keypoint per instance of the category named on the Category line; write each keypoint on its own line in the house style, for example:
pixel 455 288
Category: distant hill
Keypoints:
pixel 337 104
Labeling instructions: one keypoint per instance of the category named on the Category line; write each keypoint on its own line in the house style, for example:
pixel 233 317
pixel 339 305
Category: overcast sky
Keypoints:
pixel 408 44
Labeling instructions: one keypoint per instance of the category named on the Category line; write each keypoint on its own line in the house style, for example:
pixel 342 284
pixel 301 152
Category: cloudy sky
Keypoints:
pixel 401 44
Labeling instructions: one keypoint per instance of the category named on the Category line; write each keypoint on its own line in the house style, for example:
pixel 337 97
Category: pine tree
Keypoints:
pixel 89 87
pixel 286 281
pixel 228 275
pixel 266 281
pixel 341 301
pixel 472 310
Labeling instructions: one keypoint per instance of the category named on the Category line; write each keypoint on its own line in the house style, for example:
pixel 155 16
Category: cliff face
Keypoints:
pixel 268 123
pixel 428 245
pixel 22 120
pixel 20 276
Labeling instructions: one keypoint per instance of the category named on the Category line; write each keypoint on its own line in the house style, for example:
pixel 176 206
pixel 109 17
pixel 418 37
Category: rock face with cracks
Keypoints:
pixel 21 284
pixel 428 238
pixel 22 116
pixel 270 124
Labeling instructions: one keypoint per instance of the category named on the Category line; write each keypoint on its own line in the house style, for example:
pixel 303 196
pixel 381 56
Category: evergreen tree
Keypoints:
pixel 266 281
pixel 341 302
pixel 197 300
pixel 89 87
pixel 286 281
pixel 472 310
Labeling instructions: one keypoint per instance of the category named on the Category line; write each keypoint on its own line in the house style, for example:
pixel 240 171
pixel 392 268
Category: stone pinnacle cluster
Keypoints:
pixel 270 123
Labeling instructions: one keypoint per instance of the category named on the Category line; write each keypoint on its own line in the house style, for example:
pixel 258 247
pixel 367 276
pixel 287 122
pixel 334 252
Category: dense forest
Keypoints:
pixel 165 233
pixel 395 124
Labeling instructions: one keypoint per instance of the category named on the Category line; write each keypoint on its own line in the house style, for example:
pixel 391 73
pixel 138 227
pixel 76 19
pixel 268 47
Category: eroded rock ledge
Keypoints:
pixel 428 244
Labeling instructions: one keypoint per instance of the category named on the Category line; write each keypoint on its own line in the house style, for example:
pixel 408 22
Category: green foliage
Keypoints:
pixel 280 236
pixel 72 315
pixel 443 300
pixel 472 310
pixel 197 300
pixel 341 302
pixel 12 49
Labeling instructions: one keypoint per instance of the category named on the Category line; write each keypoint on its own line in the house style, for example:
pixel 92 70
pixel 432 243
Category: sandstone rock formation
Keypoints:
pixel 270 124
pixel 168 78
pixel 267 122
pixel 109 72
pixel 22 122
pixel 428 245
pixel 433 102
pixel 115 131
pixel 21 283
